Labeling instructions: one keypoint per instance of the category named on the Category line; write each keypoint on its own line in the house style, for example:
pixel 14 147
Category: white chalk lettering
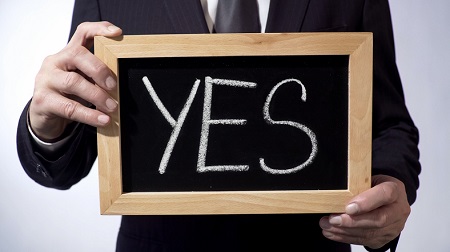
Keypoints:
pixel 176 125
pixel 302 127
pixel 207 121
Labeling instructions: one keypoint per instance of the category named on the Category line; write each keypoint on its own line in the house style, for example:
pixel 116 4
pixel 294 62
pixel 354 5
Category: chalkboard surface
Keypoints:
pixel 231 159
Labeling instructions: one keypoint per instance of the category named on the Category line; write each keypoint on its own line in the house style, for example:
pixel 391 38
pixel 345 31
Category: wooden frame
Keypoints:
pixel 357 45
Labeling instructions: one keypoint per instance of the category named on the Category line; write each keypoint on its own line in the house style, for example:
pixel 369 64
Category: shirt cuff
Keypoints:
pixel 49 148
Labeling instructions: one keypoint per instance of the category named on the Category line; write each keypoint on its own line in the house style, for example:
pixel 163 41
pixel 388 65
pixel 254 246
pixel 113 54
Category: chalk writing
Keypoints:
pixel 201 167
pixel 207 121
pixel 176 125
pixel 302 127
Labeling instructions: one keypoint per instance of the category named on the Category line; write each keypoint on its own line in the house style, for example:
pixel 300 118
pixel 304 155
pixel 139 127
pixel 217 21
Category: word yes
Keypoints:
pixel 207 121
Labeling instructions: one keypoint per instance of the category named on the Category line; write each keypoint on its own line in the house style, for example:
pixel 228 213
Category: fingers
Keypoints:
pixel 372 218
pixel 55 85
pixel 86 32
pixel 77 85
pixel 69 81
pixel 82 60
pixel 76 55
pixel 369 231
pixel 64 107
pixel 373 238
pixel 377 196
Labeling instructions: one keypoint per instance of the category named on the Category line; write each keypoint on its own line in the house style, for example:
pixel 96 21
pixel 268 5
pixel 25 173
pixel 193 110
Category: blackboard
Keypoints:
pixel 224 124
pixel 146 132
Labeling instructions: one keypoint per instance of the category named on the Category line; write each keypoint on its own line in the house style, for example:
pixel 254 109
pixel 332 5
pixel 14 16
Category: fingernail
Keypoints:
pixel 324 223
pixel 103 119
pixel 111 104
pixel 336 220
pixel 113 28
pixel 352 209
pixel 327 234
pixel 110 82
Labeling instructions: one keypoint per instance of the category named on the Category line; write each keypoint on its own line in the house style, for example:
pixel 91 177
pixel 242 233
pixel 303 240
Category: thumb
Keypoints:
pixel 384 192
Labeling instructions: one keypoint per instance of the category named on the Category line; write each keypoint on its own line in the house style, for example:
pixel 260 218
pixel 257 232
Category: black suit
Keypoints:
pixel 395 136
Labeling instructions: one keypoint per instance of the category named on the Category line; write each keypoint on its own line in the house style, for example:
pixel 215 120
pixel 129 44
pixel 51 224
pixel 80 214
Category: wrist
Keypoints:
pixel 53 145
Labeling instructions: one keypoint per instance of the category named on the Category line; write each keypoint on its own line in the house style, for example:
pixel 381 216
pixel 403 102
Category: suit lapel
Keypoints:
pixel 186 16
pixel 286 15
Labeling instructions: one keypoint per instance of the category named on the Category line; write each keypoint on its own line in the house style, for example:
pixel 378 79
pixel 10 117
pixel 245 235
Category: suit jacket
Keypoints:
pixel 395 137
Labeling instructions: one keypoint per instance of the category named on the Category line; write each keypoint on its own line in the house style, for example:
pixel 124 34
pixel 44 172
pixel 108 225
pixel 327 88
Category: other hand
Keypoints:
pixel 372 218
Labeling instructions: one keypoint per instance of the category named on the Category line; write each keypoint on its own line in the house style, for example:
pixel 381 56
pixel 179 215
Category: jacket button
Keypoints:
pixel 41 171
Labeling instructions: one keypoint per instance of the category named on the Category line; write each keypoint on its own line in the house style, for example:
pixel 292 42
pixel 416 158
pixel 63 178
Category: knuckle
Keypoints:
pixel 40 79
pixel 371 234
pixel 360 241
pixel 381 220
pixel 74 51
pixel 69 109
pixel 376 238
pixel 388 191
pixel 96 94
pixel 83 26
pixel 75 111
pixel 71 80
pixel 370 239
pixel 41 92
pixel 99 69
pixel 407 211
pixel 39 98
pixel 48 59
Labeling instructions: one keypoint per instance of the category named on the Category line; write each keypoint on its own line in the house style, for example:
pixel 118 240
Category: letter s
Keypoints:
pixel 302 127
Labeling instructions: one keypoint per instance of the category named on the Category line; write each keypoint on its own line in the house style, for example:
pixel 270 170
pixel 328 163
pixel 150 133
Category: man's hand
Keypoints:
pixel 69 81
pixel 372 218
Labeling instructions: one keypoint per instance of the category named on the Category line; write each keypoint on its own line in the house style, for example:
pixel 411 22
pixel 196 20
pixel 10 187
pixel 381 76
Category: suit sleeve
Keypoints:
pixel 395 137
pixel 73 162
pixel 60 170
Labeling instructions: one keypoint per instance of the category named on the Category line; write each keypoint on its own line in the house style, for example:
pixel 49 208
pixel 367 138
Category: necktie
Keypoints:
pixel 237 16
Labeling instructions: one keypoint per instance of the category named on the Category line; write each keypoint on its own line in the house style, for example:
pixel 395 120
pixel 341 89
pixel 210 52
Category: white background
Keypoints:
pixel 34 218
